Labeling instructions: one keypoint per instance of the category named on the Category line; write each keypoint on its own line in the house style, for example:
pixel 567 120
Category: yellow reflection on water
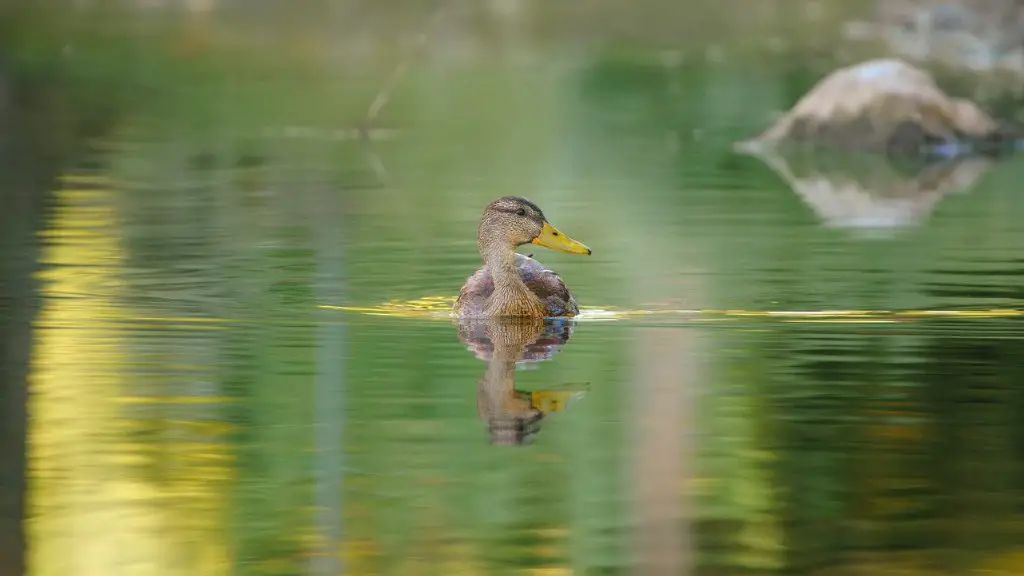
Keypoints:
pixel 440 307
pixel 97 507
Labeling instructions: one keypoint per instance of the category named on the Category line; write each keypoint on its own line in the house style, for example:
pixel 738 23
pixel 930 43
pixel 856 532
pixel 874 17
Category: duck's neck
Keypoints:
pixel 501 261
pixel 511 296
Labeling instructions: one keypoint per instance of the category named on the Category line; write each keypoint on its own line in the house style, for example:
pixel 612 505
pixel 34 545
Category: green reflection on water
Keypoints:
pixel 180 358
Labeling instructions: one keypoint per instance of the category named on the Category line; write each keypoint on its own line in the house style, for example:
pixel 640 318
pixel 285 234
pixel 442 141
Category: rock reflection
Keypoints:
pixel 513 416
pixel 864 192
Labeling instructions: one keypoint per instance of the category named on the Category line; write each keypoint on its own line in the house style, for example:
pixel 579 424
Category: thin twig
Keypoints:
pixel 378 167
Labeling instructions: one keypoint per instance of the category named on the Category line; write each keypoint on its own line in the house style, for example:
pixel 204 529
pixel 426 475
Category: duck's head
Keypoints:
pixel 512 221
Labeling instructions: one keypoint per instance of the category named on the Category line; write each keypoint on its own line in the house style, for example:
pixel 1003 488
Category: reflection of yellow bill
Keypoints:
pixel 548 401
pixel 550 237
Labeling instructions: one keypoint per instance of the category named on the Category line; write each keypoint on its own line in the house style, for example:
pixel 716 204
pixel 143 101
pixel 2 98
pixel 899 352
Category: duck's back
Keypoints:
pixel 544 283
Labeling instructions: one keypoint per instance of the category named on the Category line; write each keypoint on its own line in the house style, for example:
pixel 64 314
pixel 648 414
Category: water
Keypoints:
pixel 241 361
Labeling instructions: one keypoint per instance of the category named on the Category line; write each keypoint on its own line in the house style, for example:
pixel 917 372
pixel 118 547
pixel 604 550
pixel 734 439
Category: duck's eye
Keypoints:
pixel 521 211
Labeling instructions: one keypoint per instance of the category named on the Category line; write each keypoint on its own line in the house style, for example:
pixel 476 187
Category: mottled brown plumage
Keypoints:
pixel 511 284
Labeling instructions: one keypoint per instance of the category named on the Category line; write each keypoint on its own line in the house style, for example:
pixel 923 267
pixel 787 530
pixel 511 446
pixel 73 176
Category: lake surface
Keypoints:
pixel 241 361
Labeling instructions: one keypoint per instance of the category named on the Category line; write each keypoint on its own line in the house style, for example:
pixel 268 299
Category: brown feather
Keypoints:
pixel 543 283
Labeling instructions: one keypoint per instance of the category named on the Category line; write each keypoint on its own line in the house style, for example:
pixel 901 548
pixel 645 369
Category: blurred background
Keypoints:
pixel 230 230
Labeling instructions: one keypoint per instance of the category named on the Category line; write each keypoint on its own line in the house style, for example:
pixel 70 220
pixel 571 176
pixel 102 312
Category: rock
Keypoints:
pixel 869 193
pixel 884 105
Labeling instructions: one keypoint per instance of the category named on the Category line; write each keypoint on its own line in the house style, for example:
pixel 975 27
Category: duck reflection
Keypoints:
pixel 872 193
pixel 513 416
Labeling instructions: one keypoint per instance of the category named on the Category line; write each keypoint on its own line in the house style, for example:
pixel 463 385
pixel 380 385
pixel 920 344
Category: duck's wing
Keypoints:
pixel 547 285
pixel 474 293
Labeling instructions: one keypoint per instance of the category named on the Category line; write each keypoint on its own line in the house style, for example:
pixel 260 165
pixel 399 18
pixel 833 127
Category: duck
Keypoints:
pixel 510 284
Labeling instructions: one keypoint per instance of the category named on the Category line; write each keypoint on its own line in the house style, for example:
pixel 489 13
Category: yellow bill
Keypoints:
pixel 548 401
pixel 550 237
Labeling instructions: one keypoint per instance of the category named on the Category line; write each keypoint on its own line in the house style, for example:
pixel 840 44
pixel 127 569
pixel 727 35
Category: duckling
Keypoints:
pixel 509 283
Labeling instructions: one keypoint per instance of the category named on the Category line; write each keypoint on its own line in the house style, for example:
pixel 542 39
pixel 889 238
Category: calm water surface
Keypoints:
pixel 238 365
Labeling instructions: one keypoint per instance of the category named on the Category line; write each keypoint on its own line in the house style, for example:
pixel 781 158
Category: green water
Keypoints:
pixel 208 393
